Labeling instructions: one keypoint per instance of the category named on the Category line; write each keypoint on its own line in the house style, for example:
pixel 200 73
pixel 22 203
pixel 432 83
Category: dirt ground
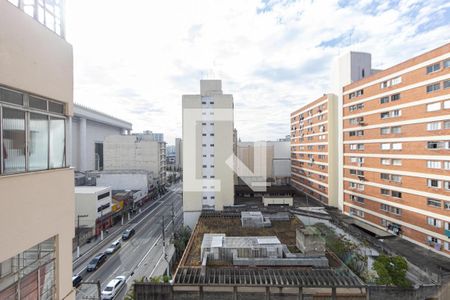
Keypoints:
pixel 231 226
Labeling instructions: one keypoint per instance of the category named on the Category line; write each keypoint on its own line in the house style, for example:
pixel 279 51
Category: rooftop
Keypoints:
pixel 91 189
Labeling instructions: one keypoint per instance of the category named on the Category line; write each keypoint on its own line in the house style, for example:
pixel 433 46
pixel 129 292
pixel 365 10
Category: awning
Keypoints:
pixel 375 230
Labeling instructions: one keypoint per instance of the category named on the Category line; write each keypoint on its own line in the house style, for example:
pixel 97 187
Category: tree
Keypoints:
pixel 181 238
pixel 391 270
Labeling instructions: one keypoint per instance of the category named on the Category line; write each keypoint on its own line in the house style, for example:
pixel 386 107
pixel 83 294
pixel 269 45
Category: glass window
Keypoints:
pixel 396 194
pixel 396 129
pixel 38 142
pixel 433 87
pixel 385 161
pixel 434 164
pixel 434 183
pixel 446 104
pixel 384 100
pixel 397 146
pixel 37 103
pixel 433 202
pixel 11 97
pixel 434 126
pixel 433 68
pixel 385 130
pixel 395 97
pixel 397 162
pixel 434 106
pixel 57 143
pixel 13 127
pixel 447 63
pixel 385 146
pixel 446 84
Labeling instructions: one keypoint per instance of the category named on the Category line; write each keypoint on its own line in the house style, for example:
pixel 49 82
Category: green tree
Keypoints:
pixel 181 238
pixel 391 270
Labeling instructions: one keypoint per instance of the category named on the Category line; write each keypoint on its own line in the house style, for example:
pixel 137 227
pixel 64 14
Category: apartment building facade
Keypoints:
pixel 208 124
pixel 314 149
pixel 36 184
pixel 396 149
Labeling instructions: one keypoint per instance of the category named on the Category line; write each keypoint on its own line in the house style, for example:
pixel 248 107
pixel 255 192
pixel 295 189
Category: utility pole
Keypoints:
pixel 164 246
pixel 173 221
pixel 78 232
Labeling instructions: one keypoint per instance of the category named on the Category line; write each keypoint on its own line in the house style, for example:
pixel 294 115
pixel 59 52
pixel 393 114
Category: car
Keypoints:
pixel 113 248
pixel 96 262
pixel 113 288
pixel 76 280
pixel 128 234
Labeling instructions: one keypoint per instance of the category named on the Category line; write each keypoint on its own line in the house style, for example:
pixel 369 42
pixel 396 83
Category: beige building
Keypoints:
pixel 136 152
pixel 268 161
pixel 208 144
pixel 314 149
pixel 36 186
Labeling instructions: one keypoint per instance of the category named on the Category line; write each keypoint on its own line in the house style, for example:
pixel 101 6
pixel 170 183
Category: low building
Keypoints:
pixel 178 154
pixel 94 204
pixel 269 200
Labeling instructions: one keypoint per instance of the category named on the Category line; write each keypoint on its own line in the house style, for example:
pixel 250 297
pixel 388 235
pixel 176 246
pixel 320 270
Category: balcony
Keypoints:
pixel 447 233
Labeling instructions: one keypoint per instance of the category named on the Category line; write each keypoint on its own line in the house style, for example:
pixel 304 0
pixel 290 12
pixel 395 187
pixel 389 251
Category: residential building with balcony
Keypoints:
pixel 396 149
pixel 208 123
pixel 36 185
pixel 314 149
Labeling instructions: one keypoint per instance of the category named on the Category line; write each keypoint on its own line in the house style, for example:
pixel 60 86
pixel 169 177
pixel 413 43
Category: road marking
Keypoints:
pixel 156 265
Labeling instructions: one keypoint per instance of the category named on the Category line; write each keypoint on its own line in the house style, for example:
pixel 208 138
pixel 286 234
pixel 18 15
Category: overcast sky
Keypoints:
pixel 134 59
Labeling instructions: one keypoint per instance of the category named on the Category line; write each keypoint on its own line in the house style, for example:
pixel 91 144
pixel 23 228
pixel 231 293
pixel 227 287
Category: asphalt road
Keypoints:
pixel 142 251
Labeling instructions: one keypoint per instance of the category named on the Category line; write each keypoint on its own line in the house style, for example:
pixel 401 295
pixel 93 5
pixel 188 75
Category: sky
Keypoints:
pixel 134 59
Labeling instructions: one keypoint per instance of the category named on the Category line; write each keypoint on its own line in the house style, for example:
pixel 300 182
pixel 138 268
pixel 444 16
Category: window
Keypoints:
pixel 385 161
pixel 103 196
pixel 433 164
pixel 356 146
pixel 433 68
pixel 356 212
pixel 356 107
pixel 13 126
pixel 384 100
pixel 447 104
pixel 396 194
pixel 446 84
pixel 433 202
pixel 396 80
pixel 434 183
pixel 396 113
pixel 447 185
pixel 385 176
pixel 446 205
pixel 357 199
pixel 390 209
pixel 447 124
pixel 434 126
pixel 433 87
pixel 385 146
pixel 437 145
pixel 384 115
pixel 356 121
pixel 447 165
pixel 356 133
pixel 447 63
pixel 385 84
pixel 38 142
pixel 434 222
pixel 395 97
pixel 396 178
pixel 385 130
pixel 11 97
pixel 385 192
pixel 396 129
pixel 397 162
pixel 434 106
pixel 397 146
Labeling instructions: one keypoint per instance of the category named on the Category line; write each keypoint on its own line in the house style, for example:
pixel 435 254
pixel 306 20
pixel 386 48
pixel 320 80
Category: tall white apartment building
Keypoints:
pixel 208 124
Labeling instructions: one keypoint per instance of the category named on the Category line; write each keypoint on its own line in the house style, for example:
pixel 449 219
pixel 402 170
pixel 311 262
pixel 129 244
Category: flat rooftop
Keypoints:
pixel 91 189
pixel 230 225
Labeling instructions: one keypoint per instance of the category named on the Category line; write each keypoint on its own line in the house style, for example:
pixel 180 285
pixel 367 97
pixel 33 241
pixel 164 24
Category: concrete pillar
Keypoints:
pixel 267 292
pixel 82 144
pixel 333 294
pixel 69 146
pixel 200 293
pixel 300 293
pixel 235 294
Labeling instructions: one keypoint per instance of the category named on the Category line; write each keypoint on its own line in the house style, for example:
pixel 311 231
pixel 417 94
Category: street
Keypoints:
pixel 139 255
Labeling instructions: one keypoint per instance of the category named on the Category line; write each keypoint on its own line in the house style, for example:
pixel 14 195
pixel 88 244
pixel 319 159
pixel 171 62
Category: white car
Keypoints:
pixel 113 248
pixel 113 288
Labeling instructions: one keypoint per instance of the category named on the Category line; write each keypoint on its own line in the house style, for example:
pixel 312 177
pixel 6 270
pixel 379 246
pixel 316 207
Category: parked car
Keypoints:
pixel 113 248
pixel 76 281
pixel 113 288
pixel 128 234
pixel 96 262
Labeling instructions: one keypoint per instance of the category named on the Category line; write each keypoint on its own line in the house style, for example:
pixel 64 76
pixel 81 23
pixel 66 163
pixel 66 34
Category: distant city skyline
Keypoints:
pixel 135 63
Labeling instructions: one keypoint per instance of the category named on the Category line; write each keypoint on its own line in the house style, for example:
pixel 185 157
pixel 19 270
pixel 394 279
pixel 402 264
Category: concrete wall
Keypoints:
pixel 40 205
pixel 125 181
pixel 95 133
pixel 127 152
pixel 35 207
pixel 34 59
pixel 87 204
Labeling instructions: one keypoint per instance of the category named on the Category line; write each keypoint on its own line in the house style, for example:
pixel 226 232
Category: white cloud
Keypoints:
pixel 134 59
